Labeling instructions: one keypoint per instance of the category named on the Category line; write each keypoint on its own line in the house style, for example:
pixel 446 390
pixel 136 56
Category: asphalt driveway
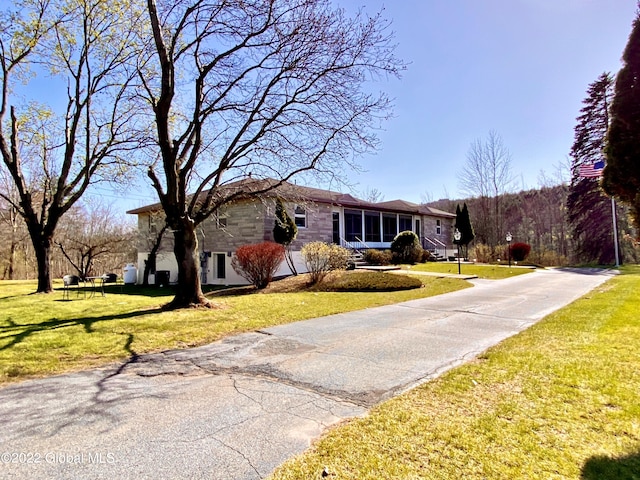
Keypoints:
pixel 238 408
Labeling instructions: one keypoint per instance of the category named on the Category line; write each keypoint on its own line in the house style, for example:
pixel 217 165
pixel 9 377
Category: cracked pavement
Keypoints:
pixel 238 408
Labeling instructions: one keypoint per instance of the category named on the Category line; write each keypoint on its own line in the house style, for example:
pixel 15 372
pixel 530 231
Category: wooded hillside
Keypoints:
pixel 539 218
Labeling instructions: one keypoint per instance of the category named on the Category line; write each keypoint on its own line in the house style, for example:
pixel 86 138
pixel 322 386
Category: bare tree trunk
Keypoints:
pixel 12 258
pixel 153 256
pixel 189 288
pixel 42 250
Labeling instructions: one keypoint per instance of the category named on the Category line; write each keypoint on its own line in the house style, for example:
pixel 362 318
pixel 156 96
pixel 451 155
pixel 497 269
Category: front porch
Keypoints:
pixel 359 230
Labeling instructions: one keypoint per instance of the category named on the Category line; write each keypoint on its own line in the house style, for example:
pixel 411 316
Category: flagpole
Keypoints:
pixel 615 231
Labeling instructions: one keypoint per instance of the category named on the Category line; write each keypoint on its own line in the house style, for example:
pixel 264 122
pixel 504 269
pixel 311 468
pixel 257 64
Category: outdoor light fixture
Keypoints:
pixel 509 238
pixel 457 236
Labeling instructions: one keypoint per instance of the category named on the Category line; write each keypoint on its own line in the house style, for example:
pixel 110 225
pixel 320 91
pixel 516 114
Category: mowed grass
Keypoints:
pixel 558 401
pixel 44 334
pixel 491 272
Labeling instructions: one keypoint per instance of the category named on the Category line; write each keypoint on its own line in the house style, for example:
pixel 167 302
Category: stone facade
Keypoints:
pixel 251 221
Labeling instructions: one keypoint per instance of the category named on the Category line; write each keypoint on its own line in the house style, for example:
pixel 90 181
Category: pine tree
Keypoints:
pixel 464 226
pixel 285 232
pixel 622 172
pixel 468 234
pixel 588 208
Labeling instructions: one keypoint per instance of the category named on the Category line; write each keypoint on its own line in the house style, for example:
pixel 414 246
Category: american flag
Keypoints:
pixel 591 170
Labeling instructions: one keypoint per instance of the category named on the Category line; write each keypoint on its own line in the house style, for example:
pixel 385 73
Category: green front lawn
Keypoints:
pixel 560 400
pixel 44 334
pixel 492 272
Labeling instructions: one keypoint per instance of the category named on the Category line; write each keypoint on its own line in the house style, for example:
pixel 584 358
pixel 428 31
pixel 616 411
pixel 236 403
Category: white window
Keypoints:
pixel 438 227
pixel 300 216
pixel 220 219
pixel 152 225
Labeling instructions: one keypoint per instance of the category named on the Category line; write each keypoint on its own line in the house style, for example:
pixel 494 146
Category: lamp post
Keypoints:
pixel 457 236
pixel 509 238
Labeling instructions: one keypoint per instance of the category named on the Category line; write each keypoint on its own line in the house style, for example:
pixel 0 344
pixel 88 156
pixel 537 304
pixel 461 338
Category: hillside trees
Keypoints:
pixel 54 151
pixel 535 216
pixel 94 240
pixel 621 176
pixel 486 175
pixel 254 88
pixel 12 229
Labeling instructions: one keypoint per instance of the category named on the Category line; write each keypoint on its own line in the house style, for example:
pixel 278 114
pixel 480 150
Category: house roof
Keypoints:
pixel 403 205
pixel 300 193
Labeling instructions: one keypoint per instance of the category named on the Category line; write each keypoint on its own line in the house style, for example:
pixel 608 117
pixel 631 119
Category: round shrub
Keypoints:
pixel 406 248
pixel 520 251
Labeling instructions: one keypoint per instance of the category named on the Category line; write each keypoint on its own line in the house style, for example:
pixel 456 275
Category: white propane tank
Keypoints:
pixel 130 274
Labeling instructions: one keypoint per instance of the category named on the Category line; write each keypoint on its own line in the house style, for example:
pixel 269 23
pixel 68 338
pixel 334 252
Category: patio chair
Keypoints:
pixel 70 281
pixel 109 278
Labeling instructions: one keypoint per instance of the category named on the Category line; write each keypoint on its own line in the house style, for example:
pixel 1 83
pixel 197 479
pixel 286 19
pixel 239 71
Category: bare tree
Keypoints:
pixel 487 175
pixel 11 227
pixel 372 195
pixel 270 89
pixel 54 152
pixel 94 240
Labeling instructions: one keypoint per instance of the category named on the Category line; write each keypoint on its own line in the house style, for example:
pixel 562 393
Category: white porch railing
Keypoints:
pixel 435 246
pixel 355 245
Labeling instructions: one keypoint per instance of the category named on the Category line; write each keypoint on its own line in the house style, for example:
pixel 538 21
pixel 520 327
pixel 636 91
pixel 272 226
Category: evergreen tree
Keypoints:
pixel 622 172
pixel 468 234
pixel 464 226
pixel 588 208
pixel 285 232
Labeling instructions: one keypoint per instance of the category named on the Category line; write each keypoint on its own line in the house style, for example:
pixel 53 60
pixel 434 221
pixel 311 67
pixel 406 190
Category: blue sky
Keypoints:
pixel 519 67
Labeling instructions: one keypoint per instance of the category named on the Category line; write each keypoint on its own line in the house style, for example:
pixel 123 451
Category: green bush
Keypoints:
pixel 406 248
pixel 377 257
pixel 373 282
pixel 321 258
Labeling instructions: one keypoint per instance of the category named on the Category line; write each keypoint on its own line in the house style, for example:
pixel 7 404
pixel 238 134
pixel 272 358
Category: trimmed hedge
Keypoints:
pixel 377 257
pixel 372 282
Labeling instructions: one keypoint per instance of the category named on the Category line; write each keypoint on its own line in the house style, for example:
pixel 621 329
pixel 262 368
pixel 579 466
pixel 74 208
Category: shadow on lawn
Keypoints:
pixel 136 290
pixel 17 332
pixel 608 468
pixel 48 406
